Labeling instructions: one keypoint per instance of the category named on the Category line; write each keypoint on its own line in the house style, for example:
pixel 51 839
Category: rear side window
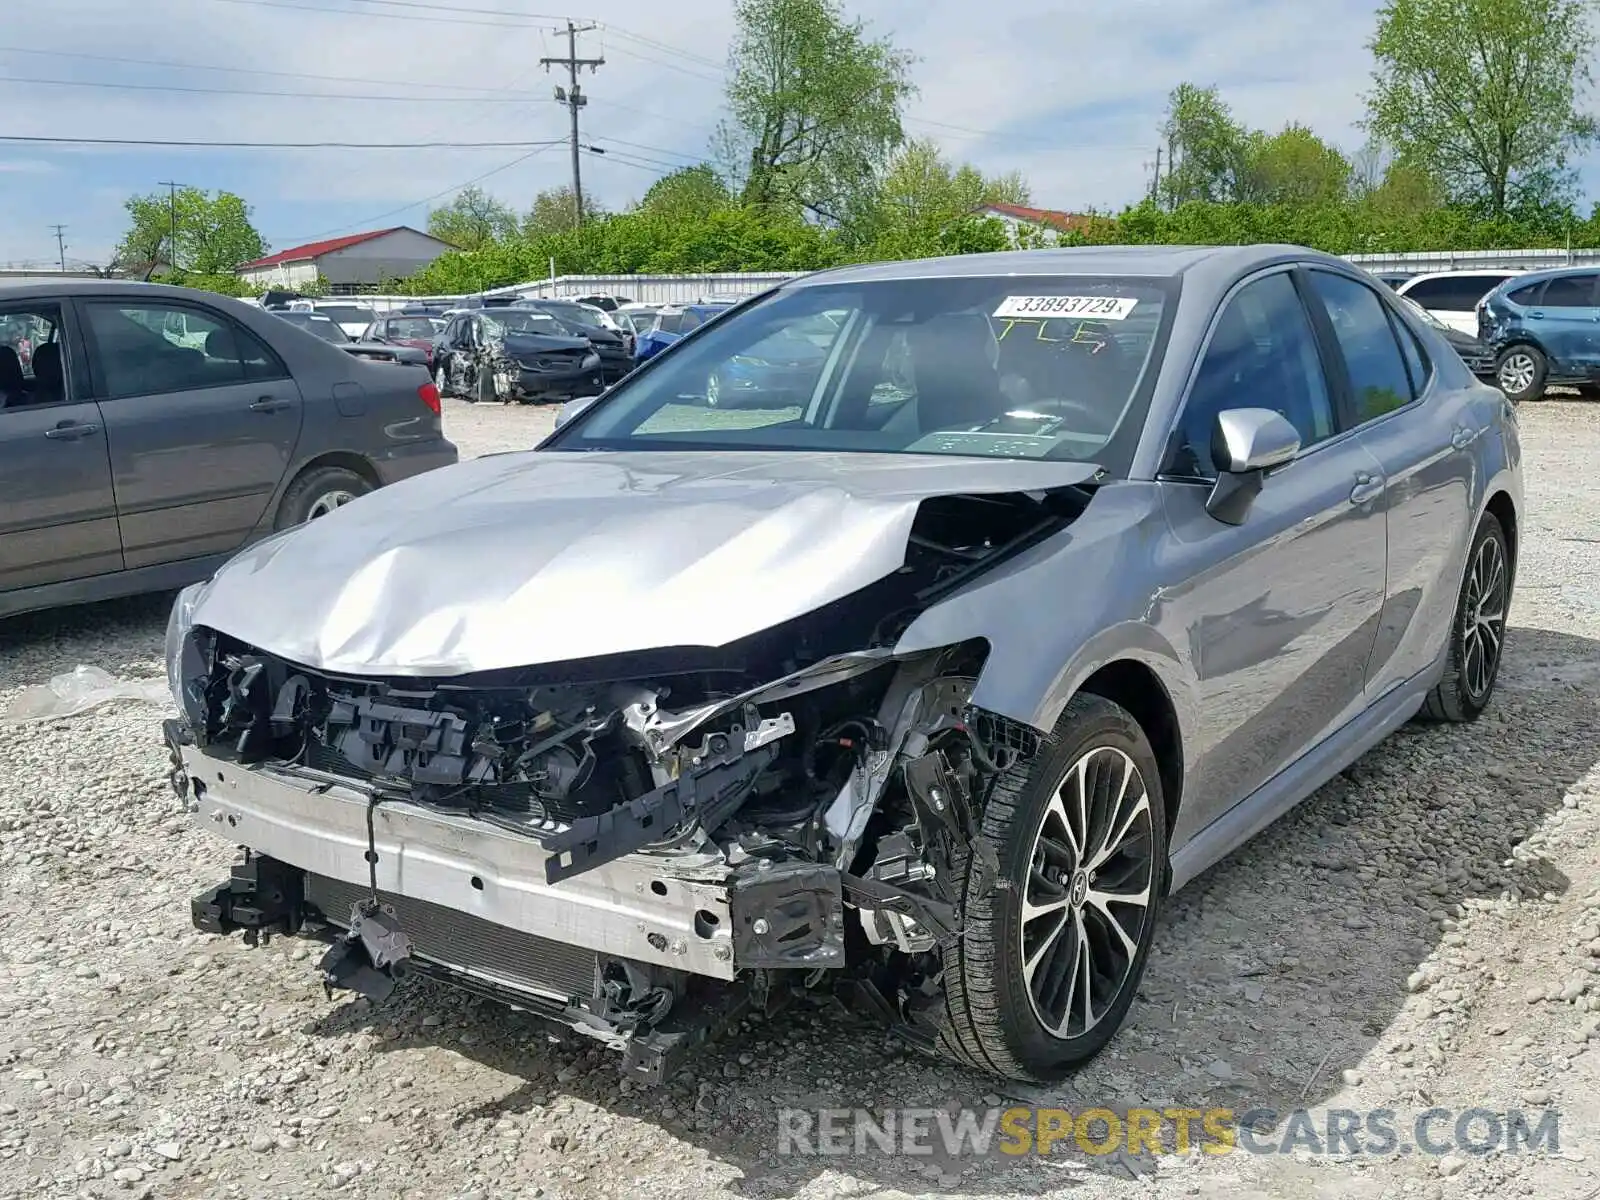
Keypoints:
pixel 1569 291
pixel 1454 293
pixel 1417 364
pixel 147 349
pixel 1528 294
pixel 1379 381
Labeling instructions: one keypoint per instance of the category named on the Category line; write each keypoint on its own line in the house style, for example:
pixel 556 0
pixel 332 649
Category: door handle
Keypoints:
pixel 71 431
pixel 1463 437
pixel 269 404
pixel 1537 316
pixel 1367 489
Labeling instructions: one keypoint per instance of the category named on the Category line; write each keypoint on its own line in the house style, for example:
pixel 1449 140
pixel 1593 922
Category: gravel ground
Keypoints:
pixel 1424 932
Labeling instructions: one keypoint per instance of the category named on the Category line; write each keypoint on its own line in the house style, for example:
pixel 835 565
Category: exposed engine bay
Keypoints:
pixel 638 846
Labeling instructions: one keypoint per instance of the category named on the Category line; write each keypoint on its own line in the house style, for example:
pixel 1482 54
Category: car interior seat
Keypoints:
pixel 954 368
pixel 48 379
pixel 13 384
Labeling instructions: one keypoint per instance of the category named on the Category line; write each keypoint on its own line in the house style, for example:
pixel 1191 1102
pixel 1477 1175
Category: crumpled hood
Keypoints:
pixel 526 558
pixel 517 344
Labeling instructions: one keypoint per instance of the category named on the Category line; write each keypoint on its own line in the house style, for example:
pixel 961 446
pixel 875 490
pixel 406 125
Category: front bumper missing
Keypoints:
pixel 672 913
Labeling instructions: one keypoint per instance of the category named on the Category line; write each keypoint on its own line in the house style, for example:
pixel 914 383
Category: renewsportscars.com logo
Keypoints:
pixel 1377 1132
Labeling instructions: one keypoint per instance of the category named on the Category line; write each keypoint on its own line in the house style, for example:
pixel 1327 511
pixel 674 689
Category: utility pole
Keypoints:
pixel 61 246
pixel 574 99
pixel 172 208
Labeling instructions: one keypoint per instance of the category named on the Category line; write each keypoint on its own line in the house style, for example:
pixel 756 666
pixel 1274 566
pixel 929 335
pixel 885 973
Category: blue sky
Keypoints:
pixel 1069 93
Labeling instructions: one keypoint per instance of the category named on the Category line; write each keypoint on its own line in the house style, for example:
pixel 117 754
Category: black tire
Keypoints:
pixel 318 491
pixel 1469 678
pixel 990 1019
pixel 1520 372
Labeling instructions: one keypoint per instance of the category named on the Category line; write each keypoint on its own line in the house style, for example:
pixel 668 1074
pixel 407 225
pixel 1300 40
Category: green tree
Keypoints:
pixel 471 219
pixel 214 233
pixel 1295 166
pixel 554 212
pixel 815 106
pixel 687 194
pixel 925 205
pixel 1209 152
pixel 1484 95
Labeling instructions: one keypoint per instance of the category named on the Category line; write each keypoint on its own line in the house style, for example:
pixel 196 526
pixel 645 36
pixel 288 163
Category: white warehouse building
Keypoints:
pixel 354 263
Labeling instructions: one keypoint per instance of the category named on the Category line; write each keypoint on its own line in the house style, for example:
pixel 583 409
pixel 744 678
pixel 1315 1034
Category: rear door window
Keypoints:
pixel 150 348
pixel 1569 291
pixel 1374 362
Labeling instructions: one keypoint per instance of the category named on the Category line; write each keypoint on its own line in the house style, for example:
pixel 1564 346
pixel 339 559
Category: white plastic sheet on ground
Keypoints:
pixel 77 691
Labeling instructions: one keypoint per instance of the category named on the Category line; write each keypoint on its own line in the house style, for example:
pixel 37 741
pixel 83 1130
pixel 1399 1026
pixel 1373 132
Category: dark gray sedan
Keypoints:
pixel 148 432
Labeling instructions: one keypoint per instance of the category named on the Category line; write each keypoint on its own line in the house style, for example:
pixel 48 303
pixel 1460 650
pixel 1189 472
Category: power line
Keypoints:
pixel 294 95
pixel 207 145
pixel 393 212
pixel 393 16
pixel 189 66
pixel 575 100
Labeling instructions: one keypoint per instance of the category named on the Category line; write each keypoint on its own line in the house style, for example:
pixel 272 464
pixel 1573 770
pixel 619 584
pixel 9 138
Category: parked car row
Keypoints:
pixel 1524 331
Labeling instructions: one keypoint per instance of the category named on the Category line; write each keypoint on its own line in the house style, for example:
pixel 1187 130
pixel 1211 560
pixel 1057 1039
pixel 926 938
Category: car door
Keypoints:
pixel 200 431
pixel 1423 433
pixel 1278 614
pixel 58 515
pixel 1567 324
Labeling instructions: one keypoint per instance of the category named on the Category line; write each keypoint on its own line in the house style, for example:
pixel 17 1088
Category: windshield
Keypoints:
pixel 1045 367
pixel 1426 316
pixel 506 321
pixel 323 327
pixel 345 314
pixel 411 327
pixel 575 314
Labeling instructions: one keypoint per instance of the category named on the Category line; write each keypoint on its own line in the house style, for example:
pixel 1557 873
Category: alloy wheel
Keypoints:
pixel 714 389
pixel 1516 372
pixel 1089 891
pixel 1483 619
pixel 327 502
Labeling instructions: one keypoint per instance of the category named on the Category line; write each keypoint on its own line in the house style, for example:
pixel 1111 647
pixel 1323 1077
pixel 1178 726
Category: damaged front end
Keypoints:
pixel 635 846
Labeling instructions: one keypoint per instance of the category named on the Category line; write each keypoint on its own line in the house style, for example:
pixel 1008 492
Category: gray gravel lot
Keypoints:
pixel 1424 932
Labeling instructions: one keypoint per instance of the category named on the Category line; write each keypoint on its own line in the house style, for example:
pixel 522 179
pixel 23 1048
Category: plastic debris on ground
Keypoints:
pixel 78 691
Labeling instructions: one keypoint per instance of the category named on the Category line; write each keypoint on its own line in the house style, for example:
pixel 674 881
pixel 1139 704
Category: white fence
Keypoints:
pixel 690 289
pixel 645 289
pixel 1467 260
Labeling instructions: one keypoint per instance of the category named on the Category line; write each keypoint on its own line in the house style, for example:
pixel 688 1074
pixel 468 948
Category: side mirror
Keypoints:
pixel 1247 444
pixel 573 408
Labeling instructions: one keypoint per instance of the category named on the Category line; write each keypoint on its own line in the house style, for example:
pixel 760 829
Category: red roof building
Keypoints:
pixel 354 261
pixel 1040 218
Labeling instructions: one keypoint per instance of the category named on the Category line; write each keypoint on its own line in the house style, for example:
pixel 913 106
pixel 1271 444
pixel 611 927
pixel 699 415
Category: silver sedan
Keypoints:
pixel 1061 575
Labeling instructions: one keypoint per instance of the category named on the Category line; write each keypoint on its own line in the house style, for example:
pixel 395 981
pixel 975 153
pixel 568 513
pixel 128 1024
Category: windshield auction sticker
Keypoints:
pixel 1101 308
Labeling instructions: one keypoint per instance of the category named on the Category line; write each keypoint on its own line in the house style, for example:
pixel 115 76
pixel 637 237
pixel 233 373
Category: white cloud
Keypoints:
pixel 1071 98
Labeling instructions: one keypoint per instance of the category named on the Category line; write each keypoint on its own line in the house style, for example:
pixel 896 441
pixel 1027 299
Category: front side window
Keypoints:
pixel 1015 367
pixel 146 349
pixel 1262 354
pixel 1379 381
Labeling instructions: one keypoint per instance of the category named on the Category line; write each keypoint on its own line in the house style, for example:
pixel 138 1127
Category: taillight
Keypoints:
pixel 429 395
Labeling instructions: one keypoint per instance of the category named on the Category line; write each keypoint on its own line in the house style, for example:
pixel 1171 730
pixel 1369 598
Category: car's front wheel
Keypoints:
pixel 1520 373
pixel 1051 957
pixel 1477 635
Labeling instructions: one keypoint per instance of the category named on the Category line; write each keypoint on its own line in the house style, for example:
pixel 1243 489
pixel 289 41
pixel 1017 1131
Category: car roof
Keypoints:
pixel 1457 274
pixel 101 287
pixel 1150 261
pixel 1527 277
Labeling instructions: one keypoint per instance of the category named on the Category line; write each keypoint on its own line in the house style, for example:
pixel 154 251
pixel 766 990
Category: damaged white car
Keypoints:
pixel 1063 574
